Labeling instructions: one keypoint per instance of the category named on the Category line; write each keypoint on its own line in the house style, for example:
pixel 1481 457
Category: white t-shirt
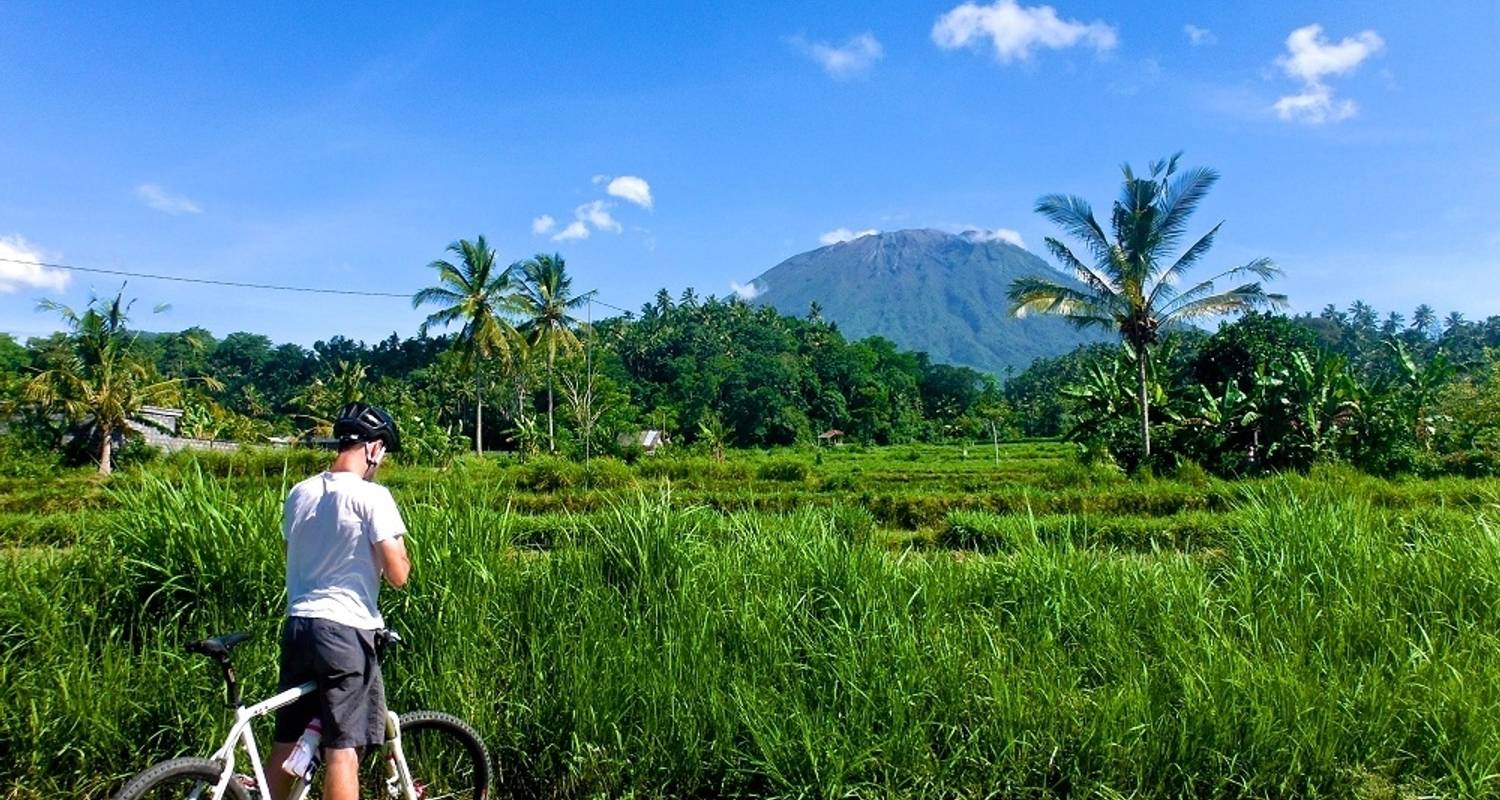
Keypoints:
pixel 331 523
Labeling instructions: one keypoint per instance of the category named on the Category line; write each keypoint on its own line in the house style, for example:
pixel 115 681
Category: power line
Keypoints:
pixel 236 284
pixel 208 281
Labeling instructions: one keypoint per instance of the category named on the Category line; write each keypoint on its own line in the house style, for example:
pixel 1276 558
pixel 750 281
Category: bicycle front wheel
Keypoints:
pixel 181 779
pixel 446 758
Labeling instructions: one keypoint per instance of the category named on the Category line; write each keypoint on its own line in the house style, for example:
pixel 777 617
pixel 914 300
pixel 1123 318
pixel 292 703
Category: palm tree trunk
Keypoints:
pixel 1140 361
pixel 551 436
pixel 478 412
pixel 106 447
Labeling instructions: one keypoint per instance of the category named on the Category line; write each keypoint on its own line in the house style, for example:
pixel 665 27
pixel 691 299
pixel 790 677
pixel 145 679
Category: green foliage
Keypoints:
pixel 1261 395
pixel 1130 288
pixel 784 469
pixel 1292 636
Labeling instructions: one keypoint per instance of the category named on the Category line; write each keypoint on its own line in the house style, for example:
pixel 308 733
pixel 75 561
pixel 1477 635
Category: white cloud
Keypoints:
pixel 994 235
pixel 1311 58
pixel 1015 30
pixel 159 198
pixel 22 267
pixel 1199 37
pixel 746 292
pixel 597 214
pixel 631 188
pixel 1315 106
pixel 844 235
pixel 843 61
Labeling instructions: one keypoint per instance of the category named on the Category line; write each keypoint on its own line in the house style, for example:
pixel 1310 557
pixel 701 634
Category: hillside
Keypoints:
pixel 927 290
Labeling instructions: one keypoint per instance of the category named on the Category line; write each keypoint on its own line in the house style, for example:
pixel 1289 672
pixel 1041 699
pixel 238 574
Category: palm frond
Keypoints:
pixel 1262 268
pixel 1166 284
pixel 1039 295
pixel 435 294
pixel 1179 202
pixel 1080 270
pixel 1074 215
pixel 1249 297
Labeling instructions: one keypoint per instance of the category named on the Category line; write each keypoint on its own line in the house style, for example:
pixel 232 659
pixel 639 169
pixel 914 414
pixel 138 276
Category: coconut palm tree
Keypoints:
pixel 546 294
pixel 1131 287
pixel 475 293
pixel 101 378
pixel 1423 320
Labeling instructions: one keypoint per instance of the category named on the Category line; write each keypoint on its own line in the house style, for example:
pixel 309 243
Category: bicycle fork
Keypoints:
pixel 398 782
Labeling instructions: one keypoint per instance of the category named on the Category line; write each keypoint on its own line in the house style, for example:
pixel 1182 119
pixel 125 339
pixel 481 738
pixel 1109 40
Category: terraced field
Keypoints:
pixel 908 621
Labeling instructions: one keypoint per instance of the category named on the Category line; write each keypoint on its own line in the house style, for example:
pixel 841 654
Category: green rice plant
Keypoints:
pixel 987 532
pixel 1312 637
pixel 784 469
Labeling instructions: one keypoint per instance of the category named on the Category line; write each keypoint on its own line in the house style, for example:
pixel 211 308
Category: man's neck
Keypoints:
pixel 352 460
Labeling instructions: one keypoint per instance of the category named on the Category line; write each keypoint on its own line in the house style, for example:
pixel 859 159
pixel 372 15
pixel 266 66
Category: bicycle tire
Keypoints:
pixel 200 773
pixel 447 759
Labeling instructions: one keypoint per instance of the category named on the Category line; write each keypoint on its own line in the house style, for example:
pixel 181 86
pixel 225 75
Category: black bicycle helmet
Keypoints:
pixel 362 422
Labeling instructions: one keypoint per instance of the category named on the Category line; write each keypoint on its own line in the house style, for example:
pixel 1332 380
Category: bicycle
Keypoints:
pixel 427 755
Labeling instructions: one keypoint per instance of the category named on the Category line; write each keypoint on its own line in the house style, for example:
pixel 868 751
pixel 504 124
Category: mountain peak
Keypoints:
pixel 929 290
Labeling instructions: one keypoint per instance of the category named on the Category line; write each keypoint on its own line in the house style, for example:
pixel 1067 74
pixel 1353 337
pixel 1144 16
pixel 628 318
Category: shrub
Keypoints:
pixel 783 469
pixel 854 523
pixel 607 473
pixel 986 532
pixel 549 474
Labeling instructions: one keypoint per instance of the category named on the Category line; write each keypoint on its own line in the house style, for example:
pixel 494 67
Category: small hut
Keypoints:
pixel 833 437
pixel 648 440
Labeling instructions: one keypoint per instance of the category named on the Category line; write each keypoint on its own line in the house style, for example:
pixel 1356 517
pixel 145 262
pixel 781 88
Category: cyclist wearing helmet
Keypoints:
pixel 343 534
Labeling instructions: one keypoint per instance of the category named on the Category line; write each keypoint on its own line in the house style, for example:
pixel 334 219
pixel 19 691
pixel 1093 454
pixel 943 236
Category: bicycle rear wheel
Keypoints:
pixel 447 759
pixel 181 779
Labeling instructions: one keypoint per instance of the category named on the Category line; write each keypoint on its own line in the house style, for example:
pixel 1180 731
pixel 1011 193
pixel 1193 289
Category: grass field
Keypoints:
pixel 904 622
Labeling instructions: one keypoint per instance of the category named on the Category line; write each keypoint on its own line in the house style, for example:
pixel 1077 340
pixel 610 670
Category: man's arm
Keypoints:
pixel 391 560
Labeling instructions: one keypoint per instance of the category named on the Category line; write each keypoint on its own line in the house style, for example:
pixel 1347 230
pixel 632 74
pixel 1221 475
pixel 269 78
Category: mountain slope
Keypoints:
pixel 925 290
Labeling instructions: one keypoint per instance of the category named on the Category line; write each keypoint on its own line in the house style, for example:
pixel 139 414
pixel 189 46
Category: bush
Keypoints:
pixel 21 459
pixel 607 473
pixel 783 469
pixel 853 523
pixel 549 474
pixel 986 532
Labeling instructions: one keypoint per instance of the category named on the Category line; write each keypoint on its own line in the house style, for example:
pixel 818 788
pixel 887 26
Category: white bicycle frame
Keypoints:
pixel 398 775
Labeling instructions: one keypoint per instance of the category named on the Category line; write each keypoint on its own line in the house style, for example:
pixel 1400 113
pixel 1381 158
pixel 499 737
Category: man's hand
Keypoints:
pixel 391 560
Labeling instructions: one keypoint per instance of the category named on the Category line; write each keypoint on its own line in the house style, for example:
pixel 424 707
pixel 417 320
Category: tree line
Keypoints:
pixel 504 361
pixel 515 370
pixel 1265 392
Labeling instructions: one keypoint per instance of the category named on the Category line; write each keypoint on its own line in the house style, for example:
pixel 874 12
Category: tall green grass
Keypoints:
pixel 1327 645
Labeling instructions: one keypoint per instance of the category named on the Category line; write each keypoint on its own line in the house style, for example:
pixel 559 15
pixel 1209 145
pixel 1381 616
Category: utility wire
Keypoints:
pixel 209 281
pixel 236 284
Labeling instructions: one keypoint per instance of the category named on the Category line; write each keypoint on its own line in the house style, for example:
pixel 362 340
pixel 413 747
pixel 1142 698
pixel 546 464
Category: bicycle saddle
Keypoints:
pixel 218 646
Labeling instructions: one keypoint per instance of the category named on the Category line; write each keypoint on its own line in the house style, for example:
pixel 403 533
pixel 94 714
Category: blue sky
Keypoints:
pixel 346 148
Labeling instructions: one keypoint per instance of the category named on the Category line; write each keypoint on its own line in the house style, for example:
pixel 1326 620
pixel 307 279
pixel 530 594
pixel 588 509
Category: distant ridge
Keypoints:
pixel 926 290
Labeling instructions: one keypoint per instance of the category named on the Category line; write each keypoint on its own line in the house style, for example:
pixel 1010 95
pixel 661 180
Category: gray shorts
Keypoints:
pixel 350 701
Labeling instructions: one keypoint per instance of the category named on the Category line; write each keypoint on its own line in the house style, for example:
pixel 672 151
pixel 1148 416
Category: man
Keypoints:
pixel 343 534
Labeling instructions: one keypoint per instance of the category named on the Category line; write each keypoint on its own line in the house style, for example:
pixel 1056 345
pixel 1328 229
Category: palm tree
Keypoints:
pixel 1129 287
pixel 1423 320
pixel 546 297
pixel 475 293
pixel 101 378
pixel 341 384
pixel 1453 322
